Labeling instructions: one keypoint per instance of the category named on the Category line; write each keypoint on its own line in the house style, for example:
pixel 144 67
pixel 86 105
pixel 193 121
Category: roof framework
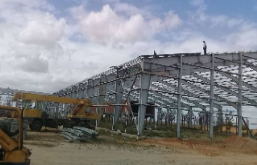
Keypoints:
pixel 183 80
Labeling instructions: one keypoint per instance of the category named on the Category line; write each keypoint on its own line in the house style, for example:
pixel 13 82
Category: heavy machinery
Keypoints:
pixel 38 118
pixel 12 151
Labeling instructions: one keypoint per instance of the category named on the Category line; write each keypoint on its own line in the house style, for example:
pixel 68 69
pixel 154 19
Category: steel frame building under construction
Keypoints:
pixel 177 82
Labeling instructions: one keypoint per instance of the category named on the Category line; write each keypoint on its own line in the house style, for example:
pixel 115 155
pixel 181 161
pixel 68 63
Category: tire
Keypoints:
pixel 36 125
pixel 82 124
pixel 30 127
pixel 69 124
pixel 72 124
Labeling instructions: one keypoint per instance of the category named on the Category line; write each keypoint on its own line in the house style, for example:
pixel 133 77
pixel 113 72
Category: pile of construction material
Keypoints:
pixel 79 134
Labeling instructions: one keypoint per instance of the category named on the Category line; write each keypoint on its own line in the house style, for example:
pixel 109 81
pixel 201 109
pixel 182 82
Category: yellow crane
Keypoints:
pixel 12 150
pixel 78 115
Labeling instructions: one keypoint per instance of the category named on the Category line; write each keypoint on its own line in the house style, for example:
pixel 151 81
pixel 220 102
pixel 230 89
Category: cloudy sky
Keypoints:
pixel 48 45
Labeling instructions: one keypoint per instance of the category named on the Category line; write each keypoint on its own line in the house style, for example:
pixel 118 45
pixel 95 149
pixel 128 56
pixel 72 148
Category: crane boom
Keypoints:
pixel 48 98
pixel 78 115
pixel 82 104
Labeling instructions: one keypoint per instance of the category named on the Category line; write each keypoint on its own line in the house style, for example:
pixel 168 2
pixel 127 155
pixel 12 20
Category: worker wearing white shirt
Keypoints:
pixel 204 47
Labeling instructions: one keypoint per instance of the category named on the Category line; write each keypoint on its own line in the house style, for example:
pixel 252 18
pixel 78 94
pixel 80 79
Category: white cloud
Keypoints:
pixel 77 12
pixel 19 4
pixel 199 14
pixel 18 12
pixel 128 10
pixel 46 31
pixel 171 20
pixel 207 20
pixel 33 64
pixel 199 3
pixel 47 53
pixel 244 39
pixel 106 26
pixel 111 1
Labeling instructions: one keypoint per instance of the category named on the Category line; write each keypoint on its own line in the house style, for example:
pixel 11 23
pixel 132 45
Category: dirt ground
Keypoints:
pixel 50 148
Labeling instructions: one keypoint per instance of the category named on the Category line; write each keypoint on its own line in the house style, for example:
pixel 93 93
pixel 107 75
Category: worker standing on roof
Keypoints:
pixel 204 47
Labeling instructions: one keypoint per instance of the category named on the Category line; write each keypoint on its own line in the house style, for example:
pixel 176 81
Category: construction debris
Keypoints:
pixel 79 134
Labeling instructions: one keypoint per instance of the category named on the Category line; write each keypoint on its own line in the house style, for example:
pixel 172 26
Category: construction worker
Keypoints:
pixel 204 47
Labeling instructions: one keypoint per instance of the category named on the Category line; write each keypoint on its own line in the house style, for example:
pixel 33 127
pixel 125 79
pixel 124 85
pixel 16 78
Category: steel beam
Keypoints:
pixel 252 102
pixel 239 109
pixel 211 97
pixel 175 101
pixel 163 98
pixel 205 91
pixel 235 79
pixel 170 60
pixel 166 100
pixel 179 96
pixel 184 91
pixel 232 62
pixel 190 94
pixel 169 99
pixel 194 102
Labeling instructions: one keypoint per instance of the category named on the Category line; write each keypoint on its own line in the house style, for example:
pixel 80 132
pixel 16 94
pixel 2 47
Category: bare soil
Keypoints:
pixel 50 148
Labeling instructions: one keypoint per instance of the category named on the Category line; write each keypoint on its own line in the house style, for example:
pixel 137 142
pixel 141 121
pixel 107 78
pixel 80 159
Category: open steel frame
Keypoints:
pixel 184 80
pixel 181 81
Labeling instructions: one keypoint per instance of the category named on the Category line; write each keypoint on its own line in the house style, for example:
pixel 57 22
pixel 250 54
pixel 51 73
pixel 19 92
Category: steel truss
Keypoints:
pixel 184 80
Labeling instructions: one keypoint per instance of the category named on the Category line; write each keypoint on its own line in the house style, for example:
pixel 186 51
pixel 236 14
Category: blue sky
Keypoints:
pixel 51 44
pixel 238 9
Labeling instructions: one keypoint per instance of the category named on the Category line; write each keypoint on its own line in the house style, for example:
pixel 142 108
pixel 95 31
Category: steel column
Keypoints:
pixel 80 91
pixel 211 96
pixel 239 110
pixel 179 98
pixel 101 96
pixel 220 119
pixel 85 92
pixel 158 115
pixel 190 117
pixel 154 118
pixel 90 91
pixel 168 116
pixel 204 119
pixel 74 92
pixel 118 98
pixel 143 97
